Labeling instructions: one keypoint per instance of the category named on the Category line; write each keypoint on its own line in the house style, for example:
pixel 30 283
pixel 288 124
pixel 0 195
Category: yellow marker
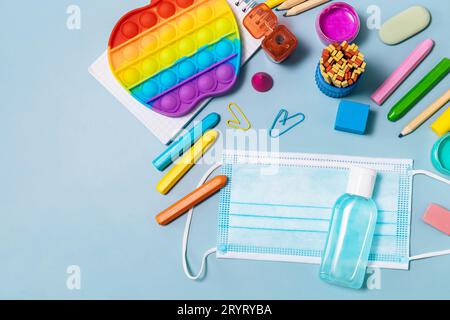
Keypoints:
pixel 187 161
pixel 442 124
pixel 274 3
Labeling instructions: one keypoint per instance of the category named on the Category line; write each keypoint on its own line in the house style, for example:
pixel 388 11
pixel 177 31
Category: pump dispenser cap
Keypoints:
pixel 361 182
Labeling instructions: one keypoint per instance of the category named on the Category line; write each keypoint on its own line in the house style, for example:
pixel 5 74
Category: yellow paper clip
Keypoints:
pixel 236 123
pixel 186 162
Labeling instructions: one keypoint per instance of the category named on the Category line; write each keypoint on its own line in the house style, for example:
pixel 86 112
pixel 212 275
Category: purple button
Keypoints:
pixel 206 83
pixel 225 73
pixel 187 93
pixel 169 102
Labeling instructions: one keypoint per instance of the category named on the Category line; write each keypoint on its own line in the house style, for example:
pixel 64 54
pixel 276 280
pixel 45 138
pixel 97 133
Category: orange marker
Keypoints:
pixel 192 199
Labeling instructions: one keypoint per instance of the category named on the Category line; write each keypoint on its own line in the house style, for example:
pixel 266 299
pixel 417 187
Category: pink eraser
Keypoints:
pixel 402 72
pixel 438 217
pixel 262 82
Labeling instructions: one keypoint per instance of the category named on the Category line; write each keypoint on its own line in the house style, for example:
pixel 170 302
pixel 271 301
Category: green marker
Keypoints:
pixel 424 86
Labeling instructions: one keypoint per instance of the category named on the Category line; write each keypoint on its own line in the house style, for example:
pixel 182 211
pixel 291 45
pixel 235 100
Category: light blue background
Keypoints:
pixel 77 186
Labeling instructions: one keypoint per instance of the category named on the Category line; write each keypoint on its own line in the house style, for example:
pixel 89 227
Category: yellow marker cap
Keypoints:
pixel 186 162
pixel 442 124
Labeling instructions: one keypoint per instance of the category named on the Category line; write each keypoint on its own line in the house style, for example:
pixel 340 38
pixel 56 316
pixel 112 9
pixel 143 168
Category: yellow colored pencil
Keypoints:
pixel 289 4
pixel 274 3
pixel 426 114
pixel 310 4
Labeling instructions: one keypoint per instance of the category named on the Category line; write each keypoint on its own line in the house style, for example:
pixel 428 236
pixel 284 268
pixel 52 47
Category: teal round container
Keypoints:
pixel 440 155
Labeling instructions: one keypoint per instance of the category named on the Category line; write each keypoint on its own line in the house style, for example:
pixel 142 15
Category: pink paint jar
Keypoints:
pixel 338 22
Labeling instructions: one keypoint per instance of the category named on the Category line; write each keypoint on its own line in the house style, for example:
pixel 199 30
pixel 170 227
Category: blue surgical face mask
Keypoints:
pixel 278 206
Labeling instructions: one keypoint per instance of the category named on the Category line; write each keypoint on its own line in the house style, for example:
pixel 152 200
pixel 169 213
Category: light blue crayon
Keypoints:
pixel 178 147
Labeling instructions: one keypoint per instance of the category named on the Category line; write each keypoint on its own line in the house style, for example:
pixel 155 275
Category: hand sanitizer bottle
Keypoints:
pixel 351 231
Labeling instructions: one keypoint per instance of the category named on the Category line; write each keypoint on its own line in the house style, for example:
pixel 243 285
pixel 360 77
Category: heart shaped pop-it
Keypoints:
pixel 171 54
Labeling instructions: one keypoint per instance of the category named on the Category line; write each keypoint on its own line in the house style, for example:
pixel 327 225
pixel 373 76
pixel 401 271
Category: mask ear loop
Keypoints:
pixel 431 175
pixel 430 255
pixel 187 228
pixel 436 253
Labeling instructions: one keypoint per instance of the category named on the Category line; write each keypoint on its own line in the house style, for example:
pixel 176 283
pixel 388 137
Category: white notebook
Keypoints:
pixel 166 128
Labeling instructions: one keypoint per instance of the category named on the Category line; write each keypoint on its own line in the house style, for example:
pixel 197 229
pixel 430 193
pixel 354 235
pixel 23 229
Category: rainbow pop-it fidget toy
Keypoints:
pixel 171 54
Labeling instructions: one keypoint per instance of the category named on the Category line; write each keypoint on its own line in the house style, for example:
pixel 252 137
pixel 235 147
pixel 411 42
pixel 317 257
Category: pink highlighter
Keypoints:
pixel 402 72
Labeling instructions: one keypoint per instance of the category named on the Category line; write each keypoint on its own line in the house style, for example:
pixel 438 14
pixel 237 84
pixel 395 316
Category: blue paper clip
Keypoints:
pixel 177 148
pixel 283 117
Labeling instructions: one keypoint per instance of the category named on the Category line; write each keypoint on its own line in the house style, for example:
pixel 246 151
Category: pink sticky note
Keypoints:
pixel 438 217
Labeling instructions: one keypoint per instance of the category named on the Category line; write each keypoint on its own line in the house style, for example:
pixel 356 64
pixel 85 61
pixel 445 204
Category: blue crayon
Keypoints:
pixel 178 147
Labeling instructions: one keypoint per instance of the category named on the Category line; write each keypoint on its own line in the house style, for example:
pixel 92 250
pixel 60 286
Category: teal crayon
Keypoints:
pixel 177 148
pixel 405 104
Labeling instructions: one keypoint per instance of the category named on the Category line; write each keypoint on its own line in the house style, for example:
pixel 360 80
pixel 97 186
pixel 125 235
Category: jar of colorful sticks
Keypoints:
pixel 340 69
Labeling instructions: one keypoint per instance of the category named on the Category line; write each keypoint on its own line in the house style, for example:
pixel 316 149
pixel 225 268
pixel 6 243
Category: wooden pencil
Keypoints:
pixel 305 6
pixel 426 114
pixel 289 4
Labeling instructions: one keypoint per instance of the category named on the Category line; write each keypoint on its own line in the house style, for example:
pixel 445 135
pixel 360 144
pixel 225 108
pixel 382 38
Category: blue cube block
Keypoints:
pixel 352 117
